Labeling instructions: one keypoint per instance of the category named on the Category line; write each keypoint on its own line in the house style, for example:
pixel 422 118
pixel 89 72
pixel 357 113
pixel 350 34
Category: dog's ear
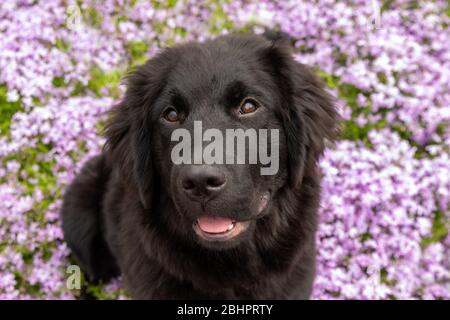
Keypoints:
pixel 309 113
pixel 117 133
pixel 129 130
pixel 141 140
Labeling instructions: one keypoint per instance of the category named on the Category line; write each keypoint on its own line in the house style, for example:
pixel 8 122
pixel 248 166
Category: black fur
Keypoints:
pixel 125 210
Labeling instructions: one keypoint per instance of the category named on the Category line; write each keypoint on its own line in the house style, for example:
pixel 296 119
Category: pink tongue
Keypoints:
pixel 214 224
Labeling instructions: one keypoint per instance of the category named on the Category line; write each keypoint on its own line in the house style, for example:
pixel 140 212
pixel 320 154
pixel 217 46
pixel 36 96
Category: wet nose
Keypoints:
pixel 202 182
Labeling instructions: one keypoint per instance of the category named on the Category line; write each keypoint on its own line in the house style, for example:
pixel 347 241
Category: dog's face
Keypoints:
pixel 202 93
pixel 212 86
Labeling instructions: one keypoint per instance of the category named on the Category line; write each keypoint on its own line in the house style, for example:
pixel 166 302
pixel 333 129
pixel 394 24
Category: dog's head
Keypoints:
pixel 215 131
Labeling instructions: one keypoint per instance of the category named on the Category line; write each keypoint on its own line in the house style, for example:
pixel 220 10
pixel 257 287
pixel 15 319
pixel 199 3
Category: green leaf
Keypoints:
pixel 62 45
pixel 138 52
pixel 7 111
pixel 439 230
pixel 101 79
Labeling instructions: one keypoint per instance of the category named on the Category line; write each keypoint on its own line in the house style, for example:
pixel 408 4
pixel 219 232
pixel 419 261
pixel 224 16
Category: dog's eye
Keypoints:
pixel 171 114
pixel 248 106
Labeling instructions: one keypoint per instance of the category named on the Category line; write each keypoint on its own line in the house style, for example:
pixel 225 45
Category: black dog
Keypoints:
pixel 206 231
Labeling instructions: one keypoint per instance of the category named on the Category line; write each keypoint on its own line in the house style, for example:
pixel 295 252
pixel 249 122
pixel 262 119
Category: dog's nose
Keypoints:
pixel 202 183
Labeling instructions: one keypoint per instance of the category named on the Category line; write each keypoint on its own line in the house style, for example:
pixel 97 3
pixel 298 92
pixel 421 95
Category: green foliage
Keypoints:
pixel 92 17
pixel 7 111
pixel 79 89
pixel 158 4
pixel 21 282
pixel 101 79
pixel 386 5
pixel 62 45
pixel 137 51
pixel 58 82
pixel 219 20
pixel 98 291
pixel 351 130
pixel 349 93
pixel 34 172
pixel 439 230
pixel 384 278
pixel 171 3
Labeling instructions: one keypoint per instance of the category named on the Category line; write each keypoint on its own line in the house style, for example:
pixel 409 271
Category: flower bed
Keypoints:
pixel 386 188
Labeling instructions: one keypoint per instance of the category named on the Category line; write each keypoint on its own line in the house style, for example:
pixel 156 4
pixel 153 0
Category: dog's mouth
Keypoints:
pixel 219 228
